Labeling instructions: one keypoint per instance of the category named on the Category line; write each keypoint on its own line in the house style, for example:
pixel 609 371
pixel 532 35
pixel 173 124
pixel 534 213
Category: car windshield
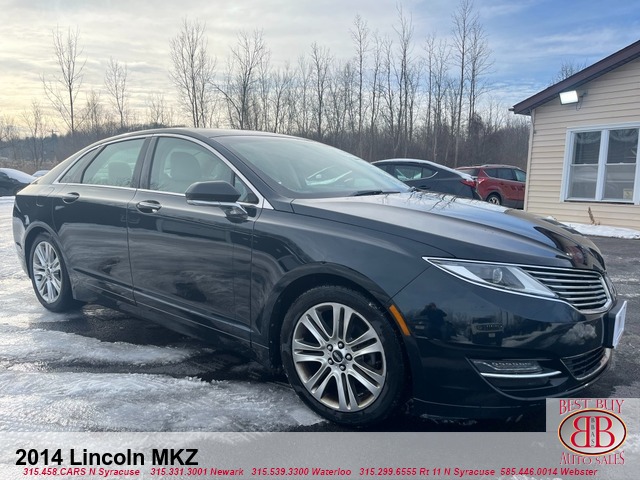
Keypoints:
pixel 298 168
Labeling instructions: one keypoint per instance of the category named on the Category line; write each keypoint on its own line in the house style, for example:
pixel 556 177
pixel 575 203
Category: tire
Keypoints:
pixel 495 199
pixel 351 373
pixel 49 275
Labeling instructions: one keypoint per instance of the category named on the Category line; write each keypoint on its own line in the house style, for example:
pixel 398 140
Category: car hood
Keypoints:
pixel 463 228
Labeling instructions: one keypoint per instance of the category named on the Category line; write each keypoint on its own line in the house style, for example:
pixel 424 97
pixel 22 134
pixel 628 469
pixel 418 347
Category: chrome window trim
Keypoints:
pixel 64 172
pixel 262 201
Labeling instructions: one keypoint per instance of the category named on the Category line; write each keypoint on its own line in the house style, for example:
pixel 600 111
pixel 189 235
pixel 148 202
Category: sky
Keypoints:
pixel 529 39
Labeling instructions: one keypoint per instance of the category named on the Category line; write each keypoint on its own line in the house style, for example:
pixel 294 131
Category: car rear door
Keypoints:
pixel 89 214
pixel 511 188
pixel 191 263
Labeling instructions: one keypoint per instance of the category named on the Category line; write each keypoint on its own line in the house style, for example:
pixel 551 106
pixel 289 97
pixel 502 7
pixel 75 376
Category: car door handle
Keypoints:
pixel 70 197
pixel 148 206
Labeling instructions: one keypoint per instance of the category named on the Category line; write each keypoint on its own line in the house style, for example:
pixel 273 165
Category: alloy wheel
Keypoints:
pixel 339 357
pixel 47 272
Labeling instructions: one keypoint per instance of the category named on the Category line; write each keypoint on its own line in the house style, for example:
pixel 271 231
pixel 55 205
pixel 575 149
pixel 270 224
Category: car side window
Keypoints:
pixel 506 174
pixel 178 163
pixel 412 172
pixel 114 165
pixel 520 175
pixel 491 172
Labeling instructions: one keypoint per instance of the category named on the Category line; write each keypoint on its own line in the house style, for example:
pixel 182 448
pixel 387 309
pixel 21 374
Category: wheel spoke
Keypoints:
pixel 349 314
pixel 367 371
pixel 57 284
pixel 41 255
pixel 346 396
pixel 315 327
pixel 299 345
pixel 374 388
pixel 318 391
pixel 362 341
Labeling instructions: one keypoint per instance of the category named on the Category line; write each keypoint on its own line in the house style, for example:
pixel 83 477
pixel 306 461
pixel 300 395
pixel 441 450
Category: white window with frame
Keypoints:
pixel 601 165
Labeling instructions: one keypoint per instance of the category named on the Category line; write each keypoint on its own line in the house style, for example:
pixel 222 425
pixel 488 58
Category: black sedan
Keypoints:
pixel 12 181
pixel 366 292
pixel 430 176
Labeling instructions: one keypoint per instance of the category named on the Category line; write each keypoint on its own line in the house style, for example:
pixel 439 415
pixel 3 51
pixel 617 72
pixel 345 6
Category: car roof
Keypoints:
pixel 492 165
pixel 18 174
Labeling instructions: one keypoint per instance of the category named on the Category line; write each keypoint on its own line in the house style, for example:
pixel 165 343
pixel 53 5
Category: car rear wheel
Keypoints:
pixel 49 275
pixel 495 199
pixel 342 356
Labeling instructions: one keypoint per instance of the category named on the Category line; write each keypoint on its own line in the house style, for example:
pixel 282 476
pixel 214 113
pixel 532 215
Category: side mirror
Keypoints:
pixel 217 194
pixel 212 192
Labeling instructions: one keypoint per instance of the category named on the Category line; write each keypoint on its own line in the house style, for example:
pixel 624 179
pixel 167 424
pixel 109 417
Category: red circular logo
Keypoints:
pixel 592 432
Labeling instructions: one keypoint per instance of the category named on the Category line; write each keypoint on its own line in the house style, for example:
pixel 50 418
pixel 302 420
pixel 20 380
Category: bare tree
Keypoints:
pixel 439 83
pixel 360 36
pixel 6 124
pixel 63 90
pixel 158 112
pixel 96 119
pixel 479 66
pixel 463 20
pixel 10 135
pixel 193 72
pixel 35 123
pixel 375 92
pixel 115 81
pixel 406 72
pixel 567 69
pixel 249 58
pixel 320 69
pixel 282 100
pixel 303 98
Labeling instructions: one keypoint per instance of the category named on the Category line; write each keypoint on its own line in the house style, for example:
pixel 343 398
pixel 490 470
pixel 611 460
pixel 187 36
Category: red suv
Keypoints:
pixel 499 184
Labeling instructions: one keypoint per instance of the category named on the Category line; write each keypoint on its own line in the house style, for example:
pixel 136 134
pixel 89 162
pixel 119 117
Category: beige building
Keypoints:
pixel 583 148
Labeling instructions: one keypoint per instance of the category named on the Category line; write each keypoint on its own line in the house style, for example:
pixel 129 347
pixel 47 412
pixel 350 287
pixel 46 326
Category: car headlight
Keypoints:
pixel 504 277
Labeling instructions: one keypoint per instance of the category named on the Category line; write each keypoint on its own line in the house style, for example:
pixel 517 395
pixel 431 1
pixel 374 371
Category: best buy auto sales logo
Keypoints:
pixel 592 431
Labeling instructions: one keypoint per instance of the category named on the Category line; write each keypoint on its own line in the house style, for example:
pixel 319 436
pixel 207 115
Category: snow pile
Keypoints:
pixel 604 231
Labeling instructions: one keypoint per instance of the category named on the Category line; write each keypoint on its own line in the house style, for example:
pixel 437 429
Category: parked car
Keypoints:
pixel 12 181
pixel 499 184
pixel 309 259
pixel 431 176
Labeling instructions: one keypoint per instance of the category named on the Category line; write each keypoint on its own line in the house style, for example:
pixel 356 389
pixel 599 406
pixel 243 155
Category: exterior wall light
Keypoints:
pixel 569 97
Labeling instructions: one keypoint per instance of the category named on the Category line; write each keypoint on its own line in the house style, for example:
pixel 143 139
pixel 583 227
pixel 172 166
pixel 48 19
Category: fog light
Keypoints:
pixel 508 367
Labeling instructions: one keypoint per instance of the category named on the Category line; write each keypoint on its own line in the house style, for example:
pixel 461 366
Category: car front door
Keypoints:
pixel 89 215
pixel 189 260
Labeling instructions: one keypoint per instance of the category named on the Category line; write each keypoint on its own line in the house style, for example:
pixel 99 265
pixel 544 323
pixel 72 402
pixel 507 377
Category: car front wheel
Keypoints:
pixel 49 275
pixel 342 356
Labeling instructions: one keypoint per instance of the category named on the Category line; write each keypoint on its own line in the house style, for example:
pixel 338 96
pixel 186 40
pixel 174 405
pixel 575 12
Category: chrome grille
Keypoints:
pixel 584 289
pixel 587 364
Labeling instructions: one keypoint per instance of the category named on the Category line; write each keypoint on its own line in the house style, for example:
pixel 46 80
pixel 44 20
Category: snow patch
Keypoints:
pixel 27 345
pixel 604 231
pixel 140 402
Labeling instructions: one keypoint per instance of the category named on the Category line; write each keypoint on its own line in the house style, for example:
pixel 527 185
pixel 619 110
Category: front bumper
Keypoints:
pixel 465 338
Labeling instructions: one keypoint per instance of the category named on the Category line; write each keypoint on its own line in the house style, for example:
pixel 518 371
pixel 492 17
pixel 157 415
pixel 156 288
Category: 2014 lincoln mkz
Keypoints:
pixel 367 293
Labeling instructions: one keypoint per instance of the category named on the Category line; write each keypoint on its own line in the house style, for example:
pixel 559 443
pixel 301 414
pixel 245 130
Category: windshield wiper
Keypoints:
pixel 362 193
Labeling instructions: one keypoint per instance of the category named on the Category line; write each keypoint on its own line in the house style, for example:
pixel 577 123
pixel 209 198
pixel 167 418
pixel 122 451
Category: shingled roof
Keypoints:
pixel 605 65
